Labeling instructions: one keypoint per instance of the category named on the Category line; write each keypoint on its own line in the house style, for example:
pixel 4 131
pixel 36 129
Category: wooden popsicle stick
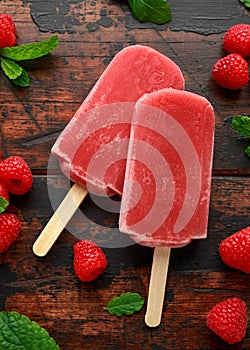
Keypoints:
pixel 59 219
pixel 157 286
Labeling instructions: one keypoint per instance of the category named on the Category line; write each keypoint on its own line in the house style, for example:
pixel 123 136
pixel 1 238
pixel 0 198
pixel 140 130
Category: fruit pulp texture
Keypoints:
pixel 168 175
pixel 92 149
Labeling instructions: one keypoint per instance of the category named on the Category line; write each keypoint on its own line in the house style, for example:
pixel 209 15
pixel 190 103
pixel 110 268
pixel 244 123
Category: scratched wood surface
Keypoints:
pixel 46 289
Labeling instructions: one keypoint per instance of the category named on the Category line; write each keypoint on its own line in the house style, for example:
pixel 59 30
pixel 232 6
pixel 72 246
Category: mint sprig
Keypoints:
pixel 9 55
pixel 125 304
pixel 30 51
pixel 247 151
pixel 241 123
pixel 10 68
pixel 246 3
pixel 15 72
pixel 3 204
pixel 19 332
pixel 156 11
pixel 23 79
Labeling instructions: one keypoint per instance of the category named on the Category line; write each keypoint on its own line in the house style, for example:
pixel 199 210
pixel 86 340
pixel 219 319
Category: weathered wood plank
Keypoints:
pixel 46 289
pixel 79 70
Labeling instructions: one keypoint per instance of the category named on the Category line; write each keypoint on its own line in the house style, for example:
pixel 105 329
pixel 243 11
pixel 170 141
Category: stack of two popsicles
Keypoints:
pixel 139 135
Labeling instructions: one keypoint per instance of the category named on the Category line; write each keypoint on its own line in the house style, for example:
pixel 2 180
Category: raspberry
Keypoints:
pixel 89 260
pixel 228 319
pixel 237 40
pixel 9 230
pixel 7 31
pixel 3 192
pixel 235 250
pixel 4 198
pixel 231 72
pixel 15 174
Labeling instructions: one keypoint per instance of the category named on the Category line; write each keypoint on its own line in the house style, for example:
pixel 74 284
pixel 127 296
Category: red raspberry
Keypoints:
pixel 231 72
pixel 228 319
pixel 89 260
pixel 4 198
pixel 7 31
pixel 9 230
pixel 237 40
pixel 235 250
pixel 15 174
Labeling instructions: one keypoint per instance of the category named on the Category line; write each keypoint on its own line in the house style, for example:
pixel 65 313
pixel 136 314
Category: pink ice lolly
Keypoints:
pixel 92 149
pixel 167 181
pixel 101 126
pixel 168 175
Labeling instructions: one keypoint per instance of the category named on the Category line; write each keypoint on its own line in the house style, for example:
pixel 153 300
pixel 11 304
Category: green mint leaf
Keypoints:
pixel 156 11
pixel 11 68
pixel 3 204
pixel 23 80
pixel 241 123
pixel 30 51
pixel 247 151
pixel 125 304
pixel 18 332
pixel 246 3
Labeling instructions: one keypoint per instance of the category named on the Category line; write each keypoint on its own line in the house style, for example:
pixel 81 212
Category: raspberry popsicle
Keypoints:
pixel 103 119
pixel 168 176
pixel 92 149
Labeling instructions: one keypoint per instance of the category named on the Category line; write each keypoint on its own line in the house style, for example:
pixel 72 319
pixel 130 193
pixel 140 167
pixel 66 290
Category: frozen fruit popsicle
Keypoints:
pixel 92 149
pixel 168 176
pixel 104 116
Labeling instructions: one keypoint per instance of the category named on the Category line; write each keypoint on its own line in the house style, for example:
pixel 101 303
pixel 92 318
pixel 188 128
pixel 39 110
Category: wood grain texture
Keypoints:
pixel 42 111
pixel 68 15
pixel 46 289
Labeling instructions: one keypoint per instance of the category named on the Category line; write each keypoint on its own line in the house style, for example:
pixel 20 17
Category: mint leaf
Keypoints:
pixel 126 303
pixel 156 11
pixel 8 55
pixel 16 73
pixel 23 80
pixel 247 151
pixel 246 3
pixel 11 68
pixel 30 51
pixel 241 123
pixel 3 204
pixel 18 332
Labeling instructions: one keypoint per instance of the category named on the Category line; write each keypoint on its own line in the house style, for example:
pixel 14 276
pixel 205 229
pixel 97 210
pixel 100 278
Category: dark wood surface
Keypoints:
pixel 46 289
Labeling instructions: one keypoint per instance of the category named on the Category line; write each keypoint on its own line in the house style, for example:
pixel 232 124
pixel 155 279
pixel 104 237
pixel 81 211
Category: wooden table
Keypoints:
pixel 46 289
